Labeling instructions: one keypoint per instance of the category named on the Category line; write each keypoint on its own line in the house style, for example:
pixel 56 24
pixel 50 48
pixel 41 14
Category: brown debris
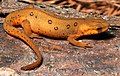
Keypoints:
pixel 105 7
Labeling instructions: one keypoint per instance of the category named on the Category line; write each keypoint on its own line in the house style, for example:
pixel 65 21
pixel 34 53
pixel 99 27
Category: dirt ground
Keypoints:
pixel 59 57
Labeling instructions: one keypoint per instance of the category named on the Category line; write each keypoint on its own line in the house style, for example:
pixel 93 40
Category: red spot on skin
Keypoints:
pixel 31 14
pixel 68 26
pixel 75 24
pixel 55 28
pixel 49 21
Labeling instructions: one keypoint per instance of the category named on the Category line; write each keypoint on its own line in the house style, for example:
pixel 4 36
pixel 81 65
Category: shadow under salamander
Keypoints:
pixel 102 36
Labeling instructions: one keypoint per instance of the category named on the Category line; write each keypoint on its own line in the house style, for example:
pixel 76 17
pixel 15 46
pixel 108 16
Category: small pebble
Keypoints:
pixel 4 71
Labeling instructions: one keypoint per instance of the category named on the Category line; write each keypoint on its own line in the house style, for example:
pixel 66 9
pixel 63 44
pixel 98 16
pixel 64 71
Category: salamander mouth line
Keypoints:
pixel 99 30
pixel 102 29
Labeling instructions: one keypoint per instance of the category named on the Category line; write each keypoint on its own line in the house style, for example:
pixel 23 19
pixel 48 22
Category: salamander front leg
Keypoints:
pixel 72 40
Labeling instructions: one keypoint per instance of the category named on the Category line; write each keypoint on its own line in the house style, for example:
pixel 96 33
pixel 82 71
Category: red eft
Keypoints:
pixel 36 21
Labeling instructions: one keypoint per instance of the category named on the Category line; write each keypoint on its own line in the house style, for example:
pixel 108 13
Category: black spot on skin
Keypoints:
pixel 12 17
pixel 55 28
pixel 23 37
pixel 11 31
pixel 19 16
pixel 31 14
pixel 68 26
pixel 10 21
pixel 8 31
pixel 35 16
pixel 38 29
pixel 18 19
pixel 17 31
pixel 75 24
pixel 82 32
pixel 49 21
pixel 63 33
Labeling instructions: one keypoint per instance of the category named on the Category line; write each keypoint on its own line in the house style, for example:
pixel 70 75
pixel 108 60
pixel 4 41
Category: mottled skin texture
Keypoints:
pixel 36 22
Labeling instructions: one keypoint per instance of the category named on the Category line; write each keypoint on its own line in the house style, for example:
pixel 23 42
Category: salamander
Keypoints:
pixel 35 22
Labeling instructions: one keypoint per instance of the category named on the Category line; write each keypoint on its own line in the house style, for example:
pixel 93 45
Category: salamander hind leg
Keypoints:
pixel 27 29
pixel 72 39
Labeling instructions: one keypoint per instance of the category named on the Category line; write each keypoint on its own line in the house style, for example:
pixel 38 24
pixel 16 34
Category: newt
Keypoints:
pixel 38 22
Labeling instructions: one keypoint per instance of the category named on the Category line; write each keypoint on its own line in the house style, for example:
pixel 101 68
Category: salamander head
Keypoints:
pixel 95 26
pixel 101 26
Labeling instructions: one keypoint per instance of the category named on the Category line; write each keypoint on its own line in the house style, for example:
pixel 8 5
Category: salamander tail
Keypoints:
pixel 17 33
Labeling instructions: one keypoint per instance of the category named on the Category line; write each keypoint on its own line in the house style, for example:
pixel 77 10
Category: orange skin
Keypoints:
pixel 38 22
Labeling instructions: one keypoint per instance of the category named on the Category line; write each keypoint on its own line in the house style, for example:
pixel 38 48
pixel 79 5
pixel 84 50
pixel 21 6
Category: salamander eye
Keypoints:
pixel 99 29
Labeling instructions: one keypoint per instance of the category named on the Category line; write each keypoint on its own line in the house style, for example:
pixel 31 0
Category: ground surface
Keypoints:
pixel 62 58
